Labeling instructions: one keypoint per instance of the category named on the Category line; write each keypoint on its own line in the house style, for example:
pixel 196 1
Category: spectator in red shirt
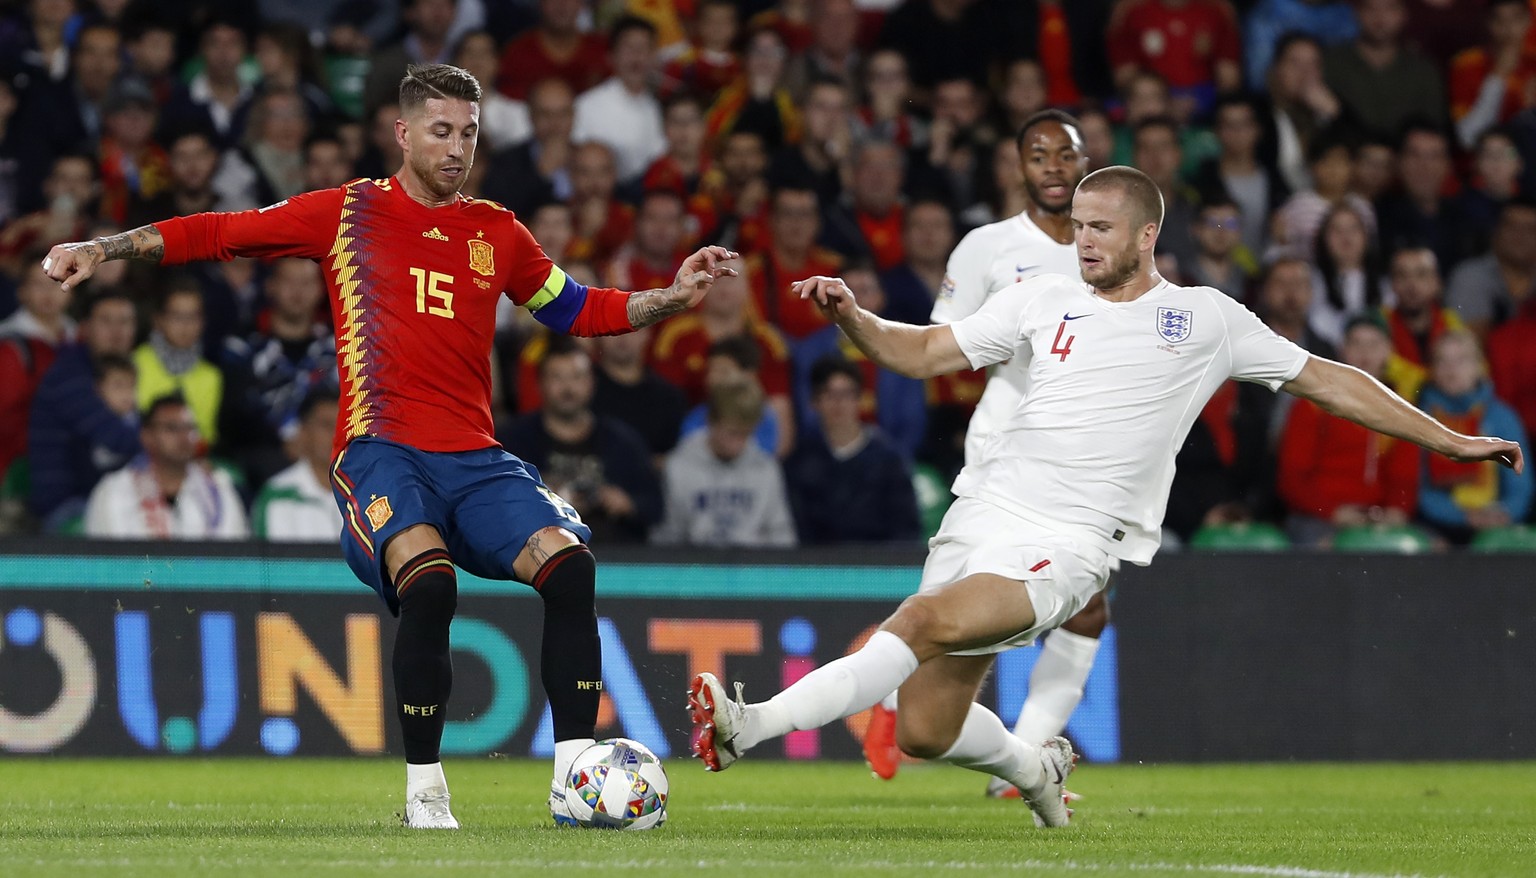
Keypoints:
pixel 1335 473
pixel 603 223
pixel 792 20
pixel 711 63
pixel 646 263
pixel 733 197
pixel 886 112
pixel 681 351
pixel 554 49
pixel 132 164
pixel 878 169
pixel 1512 363
pixel 794 222
pixel 1418 320
pixel 1193 44
pixel 682 167
pixel 1491 83
pixel 29 341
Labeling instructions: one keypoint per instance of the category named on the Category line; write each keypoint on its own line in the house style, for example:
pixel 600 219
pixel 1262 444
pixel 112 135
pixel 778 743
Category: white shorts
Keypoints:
pixel 1062 573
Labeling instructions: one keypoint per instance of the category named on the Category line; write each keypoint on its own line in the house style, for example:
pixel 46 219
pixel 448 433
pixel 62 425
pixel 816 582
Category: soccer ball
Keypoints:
pixel 617 784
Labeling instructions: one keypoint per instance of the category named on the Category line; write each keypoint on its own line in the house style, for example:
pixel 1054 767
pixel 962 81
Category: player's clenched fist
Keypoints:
pixel 72 263
pixel 830 294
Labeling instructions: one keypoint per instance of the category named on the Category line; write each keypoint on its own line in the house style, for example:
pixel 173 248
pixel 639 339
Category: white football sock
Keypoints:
pixel 1056 685
pixel 834 690
pixel 420 778
pixel 986 746
pixel 566 753
pixel 889 702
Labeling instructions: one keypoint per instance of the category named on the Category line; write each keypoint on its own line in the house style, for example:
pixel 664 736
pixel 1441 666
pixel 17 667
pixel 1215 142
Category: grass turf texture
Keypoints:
pixel 337 817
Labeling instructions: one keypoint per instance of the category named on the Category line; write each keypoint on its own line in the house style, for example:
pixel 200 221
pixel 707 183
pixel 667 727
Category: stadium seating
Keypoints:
pixel 1519 538
pixel 933 497
pixel 1383 538
pixel 1239 537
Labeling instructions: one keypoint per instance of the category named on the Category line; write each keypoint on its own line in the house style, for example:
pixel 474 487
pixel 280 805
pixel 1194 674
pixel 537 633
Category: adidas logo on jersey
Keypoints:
pixel 435 234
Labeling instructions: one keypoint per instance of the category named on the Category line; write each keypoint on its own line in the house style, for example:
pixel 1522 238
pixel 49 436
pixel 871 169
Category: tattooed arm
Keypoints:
pixel 694 279
pixel 653 306
pixel 72 263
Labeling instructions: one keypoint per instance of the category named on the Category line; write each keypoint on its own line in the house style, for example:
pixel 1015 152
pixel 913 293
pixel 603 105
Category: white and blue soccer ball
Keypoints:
pixel 617 784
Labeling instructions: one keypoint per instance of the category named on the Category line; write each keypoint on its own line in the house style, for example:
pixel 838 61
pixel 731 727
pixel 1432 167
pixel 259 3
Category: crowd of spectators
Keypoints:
pixel 1358 173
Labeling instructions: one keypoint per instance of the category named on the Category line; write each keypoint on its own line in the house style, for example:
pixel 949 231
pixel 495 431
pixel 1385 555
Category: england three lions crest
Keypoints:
pixel 1174 325
pixel 482 256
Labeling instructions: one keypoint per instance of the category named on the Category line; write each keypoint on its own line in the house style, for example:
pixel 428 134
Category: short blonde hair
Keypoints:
pixel 1135 186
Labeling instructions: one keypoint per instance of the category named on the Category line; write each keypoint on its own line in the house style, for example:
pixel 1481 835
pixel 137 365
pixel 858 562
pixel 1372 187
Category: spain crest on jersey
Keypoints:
pixel 1174 325
pixel 482 256
pixel 379 513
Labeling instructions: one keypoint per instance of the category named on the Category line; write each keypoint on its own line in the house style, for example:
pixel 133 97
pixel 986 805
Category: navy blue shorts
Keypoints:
pixel 485 503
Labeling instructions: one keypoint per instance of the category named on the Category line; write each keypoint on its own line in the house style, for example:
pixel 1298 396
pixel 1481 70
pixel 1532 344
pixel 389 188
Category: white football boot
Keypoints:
pixel 1049 799
pixel 428 809
pixel 558 809
pixel 716 722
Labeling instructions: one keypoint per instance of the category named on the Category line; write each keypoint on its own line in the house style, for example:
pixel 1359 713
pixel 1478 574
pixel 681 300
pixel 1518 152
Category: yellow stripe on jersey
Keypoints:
pixel 350 352
pixel 547 293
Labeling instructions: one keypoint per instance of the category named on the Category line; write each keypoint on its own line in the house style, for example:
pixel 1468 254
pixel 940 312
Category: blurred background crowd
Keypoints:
pixel 1357 173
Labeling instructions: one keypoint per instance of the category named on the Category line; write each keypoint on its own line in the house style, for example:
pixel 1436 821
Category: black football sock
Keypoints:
pixel 571 657
pixel 423 665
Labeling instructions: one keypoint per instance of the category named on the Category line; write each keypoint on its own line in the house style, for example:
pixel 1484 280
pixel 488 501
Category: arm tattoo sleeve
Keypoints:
pixel 143 242
pixel 653 306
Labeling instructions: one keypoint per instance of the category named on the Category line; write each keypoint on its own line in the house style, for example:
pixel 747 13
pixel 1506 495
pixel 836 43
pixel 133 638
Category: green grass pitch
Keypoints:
pixel 81 818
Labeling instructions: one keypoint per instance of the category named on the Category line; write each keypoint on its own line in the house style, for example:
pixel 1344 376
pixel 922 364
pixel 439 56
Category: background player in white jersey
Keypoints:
pixel 1121 365
pixel 988 259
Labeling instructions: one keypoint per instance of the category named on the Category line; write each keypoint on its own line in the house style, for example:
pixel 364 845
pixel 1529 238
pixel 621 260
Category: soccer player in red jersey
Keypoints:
pixel 414 271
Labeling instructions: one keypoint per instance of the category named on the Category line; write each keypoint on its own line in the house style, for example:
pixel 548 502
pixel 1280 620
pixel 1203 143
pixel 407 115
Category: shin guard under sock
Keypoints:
pixel 571 656
pixel 423 666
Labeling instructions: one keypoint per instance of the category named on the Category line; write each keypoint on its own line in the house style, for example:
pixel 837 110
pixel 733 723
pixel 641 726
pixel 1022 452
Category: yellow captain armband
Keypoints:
pixel 553 285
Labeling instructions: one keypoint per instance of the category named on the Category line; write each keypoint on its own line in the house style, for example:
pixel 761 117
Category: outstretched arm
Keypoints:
pixel 1350 393
pixel 72 263
pixel 566 306
pixel 304 226
pixel 913 351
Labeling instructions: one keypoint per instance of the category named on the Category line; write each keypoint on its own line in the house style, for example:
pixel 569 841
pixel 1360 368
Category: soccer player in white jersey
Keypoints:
pixel 1121 363
pixel 989 259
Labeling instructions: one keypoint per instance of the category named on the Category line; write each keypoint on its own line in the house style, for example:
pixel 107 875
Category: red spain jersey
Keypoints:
pixel 1181 44
pixel 884 236
pixel 680 354
pixel 772 299
pixel 413 292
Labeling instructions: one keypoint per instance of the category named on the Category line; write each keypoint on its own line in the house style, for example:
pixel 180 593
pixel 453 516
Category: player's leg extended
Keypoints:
pixel 976 611
pixel 417 564
pixel 561 568
pixel 940 719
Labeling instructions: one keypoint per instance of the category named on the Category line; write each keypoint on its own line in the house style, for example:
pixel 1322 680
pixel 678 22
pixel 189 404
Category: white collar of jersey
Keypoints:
pixel 1157 289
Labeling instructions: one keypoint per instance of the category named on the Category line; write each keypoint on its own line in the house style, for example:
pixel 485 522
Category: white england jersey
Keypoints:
pixel 988 259
pixel 1113 390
